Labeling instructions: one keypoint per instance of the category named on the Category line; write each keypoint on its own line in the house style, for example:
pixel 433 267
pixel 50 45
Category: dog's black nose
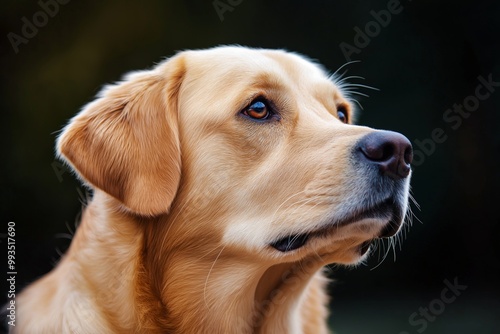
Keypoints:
pixel 391 151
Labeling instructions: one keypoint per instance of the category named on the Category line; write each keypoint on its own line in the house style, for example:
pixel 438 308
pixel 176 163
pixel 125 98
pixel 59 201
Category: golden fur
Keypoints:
pixel 189 194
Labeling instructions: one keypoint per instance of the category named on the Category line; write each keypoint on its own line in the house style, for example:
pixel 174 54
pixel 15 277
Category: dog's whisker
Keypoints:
pixel 286 200
pixel 386 252
pixel 210 252
pixel 380 248
pixel 71 231
pixel 64 236
pixel 57 131
pixel 358 103
pixel 59 252
pixel 349 89
pixel 412 198
pixel 340 82
pixel 344 65
pixel 319 257
pixel 352 99
pixel 414 201
pixel 349 85
pixel 394 249
pixel 208 276
pixel 358 93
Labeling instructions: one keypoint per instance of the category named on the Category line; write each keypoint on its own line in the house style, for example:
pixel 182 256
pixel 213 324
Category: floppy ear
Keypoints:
pixel 126 142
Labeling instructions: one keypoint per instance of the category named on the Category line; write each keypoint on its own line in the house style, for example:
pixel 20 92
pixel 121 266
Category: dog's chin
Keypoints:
pixel 351 236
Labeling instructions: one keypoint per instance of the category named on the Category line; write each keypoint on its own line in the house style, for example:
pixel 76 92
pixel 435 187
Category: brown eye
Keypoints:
pixel 342 114
pixel 257 110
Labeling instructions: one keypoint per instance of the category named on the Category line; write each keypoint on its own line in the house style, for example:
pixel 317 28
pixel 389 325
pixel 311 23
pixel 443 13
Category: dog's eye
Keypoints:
pixel 342 114
pixel 257 110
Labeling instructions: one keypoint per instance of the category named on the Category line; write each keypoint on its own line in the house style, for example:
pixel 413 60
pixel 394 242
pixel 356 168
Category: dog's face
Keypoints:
pixel 276 155
pixel 253 148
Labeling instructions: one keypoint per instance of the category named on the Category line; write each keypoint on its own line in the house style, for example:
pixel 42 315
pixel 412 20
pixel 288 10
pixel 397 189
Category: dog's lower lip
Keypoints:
pixel 378 211
pixel 389 230
pixel 290 243
pixel 296 241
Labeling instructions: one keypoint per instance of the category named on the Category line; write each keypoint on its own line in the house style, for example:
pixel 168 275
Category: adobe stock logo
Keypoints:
pixel 436 307
pixel 454 118
pixel 363 37
pixel 225 6
pixel 29 29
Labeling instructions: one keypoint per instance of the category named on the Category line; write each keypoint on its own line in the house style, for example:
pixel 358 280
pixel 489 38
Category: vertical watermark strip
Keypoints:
pixel 11 273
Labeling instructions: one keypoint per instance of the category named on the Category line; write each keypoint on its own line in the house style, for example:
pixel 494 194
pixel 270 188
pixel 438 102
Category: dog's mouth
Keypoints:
pixel 291 242
pixel 387 210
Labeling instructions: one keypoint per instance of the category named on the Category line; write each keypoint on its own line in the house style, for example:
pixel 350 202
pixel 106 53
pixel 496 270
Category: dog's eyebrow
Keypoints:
pixel 330 96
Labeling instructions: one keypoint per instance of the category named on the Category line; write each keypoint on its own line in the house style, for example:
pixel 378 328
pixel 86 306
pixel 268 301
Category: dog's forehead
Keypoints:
pixel 232 71
pixel 241 61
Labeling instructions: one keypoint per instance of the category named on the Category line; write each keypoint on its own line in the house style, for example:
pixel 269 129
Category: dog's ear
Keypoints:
pixel 126 142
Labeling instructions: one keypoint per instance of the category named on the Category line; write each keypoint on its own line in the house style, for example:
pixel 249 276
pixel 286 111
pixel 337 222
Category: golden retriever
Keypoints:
pixel 223 181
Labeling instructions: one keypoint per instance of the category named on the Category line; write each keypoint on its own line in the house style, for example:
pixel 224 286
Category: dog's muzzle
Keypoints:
pixel 382 160
pixel 388 155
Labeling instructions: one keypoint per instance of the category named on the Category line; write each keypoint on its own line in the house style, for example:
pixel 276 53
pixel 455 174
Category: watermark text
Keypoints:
pixel 11 273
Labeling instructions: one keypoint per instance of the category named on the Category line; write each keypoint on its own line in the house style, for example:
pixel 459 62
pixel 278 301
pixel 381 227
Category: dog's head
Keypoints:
pixel 252 149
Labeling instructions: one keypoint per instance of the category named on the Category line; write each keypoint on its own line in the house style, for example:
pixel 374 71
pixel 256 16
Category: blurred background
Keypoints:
pixel 427 58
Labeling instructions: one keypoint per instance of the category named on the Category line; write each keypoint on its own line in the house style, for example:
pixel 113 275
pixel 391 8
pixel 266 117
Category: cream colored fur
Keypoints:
pixel 189 194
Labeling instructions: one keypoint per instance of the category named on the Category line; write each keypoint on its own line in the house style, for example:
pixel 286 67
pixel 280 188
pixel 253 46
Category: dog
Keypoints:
pixel 223 181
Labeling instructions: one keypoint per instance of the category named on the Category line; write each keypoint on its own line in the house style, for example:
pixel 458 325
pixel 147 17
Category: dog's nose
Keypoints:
pixel 391 151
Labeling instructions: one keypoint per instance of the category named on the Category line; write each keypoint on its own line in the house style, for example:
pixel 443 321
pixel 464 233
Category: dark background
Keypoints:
pixel 426 59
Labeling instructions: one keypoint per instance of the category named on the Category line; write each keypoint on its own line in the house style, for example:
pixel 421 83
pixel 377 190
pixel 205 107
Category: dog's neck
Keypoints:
pixel 178 282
